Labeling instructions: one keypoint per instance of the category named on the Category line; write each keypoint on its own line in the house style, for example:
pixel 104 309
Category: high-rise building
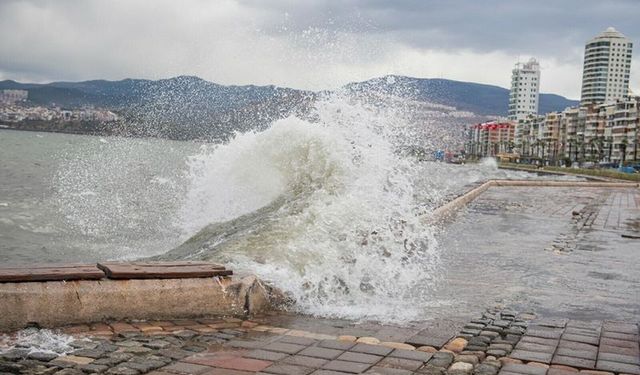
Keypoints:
pixel 525 88
pixel 607 65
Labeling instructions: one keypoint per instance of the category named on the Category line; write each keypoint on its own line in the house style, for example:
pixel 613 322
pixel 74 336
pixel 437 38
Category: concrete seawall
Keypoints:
pixel 55 303
pixel 448 209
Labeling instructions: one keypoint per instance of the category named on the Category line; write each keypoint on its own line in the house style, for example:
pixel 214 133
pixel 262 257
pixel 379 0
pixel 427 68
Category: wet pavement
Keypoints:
pixel 557 251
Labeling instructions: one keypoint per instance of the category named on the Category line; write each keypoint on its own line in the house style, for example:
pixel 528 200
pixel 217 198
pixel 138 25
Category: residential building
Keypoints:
pixel 13 96
pixel 525 89
pixel 607 66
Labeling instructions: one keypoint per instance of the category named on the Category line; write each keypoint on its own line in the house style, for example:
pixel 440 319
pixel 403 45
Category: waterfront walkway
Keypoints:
pixel 497 342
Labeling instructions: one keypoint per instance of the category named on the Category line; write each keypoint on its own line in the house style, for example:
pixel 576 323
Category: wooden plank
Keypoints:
pixel 161 270
pixel 50 273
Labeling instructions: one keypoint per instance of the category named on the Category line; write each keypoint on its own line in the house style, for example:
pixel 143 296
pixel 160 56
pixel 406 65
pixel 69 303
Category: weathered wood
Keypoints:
pixel 51 272
pixel 162 270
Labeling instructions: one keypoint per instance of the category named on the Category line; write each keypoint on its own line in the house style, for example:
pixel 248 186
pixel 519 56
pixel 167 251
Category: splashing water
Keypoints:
pixel 326 210
pixel 38 340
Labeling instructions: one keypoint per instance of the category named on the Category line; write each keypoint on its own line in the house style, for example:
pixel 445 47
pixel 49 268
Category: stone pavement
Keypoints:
pixel 499 342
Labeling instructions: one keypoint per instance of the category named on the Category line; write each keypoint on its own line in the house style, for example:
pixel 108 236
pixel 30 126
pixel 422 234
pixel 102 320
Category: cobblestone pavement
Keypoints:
pixel 499 342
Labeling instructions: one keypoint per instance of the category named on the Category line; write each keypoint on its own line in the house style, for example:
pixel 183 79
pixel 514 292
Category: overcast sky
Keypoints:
pixel 310 44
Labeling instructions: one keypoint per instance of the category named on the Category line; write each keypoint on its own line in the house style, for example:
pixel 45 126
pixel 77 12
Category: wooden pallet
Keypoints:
pixel 162 270
pixel 51 272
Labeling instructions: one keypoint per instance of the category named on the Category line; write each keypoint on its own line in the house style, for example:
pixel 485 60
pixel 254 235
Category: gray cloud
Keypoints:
pixel 307 44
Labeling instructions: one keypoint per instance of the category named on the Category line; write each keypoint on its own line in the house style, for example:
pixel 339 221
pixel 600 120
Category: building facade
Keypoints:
pixel 607 66
pixel 525 89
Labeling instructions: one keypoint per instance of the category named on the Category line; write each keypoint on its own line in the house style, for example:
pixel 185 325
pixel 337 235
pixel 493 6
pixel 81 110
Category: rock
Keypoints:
pixel 427 349
pixel 398 345
pixel 485 369
pixel 83 344
pixel 143 365
pixel 43 356
pixel 135 350
pixel 128 343
pixel 10 367
pixel 479 340
pixel 347 338
pixel 456 345
pixel 472 359
pixel 490 358
pixel 368 340
pixel 505 347
pixel 89 353
pixel 460 368
pixel 478 354
pixel 490 334
pixel 441 359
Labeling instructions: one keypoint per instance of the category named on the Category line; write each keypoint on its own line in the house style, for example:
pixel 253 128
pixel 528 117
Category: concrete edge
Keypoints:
pixel 448 209
pixel 57 303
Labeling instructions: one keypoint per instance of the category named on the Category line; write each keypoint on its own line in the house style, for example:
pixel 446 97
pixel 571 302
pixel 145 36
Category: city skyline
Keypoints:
pixel 245 42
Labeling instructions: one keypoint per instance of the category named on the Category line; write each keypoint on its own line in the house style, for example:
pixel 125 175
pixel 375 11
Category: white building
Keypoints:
pixel 525 89
pixel 607 65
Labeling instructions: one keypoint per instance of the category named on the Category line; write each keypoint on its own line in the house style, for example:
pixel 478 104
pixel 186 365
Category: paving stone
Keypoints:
pixel 540 340
pixel 474 348
pixel 505 347
pixel 485 369
pixel 574 362
pixel 554 323
pixel 143 365
pixel 348 367
pixel 74 359
pixel 186 368
pixel 375 370
pixel 468 359
pixel 620 327
pixel 242 364
pixel 431 370
pixel 585 354
pixel 336 344
pixel 581 331
pixel 42 356
pixel 93 368
pixel 174 353
pixel 593 340
pixel 557 371
pixel 501 323
pixel 436 342
pixel 611 357
pixel 618 343
pixel 577 346
pixel 121 370
pixel 324 353
pixel 468 332
pixel 616 349
pixel 479 340
pixel 305 361
pixel 618 367
pixel 246 344
pixel 359 357
pixel 411 354
pixel 266 355
pixel 546 333
pixel 621 336
pixel 460 368
pixel 70 371
pixel 474 326
pixel 328 372
pixel 371 349
pixel 405 364
pixel 297 340
pixel 595 372
pixel 285 369
pixel 522 369
pixel 490 334
pixel 283 347
pixel 525 355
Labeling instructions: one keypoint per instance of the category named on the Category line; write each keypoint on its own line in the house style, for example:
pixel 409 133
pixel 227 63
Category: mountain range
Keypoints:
pixel 167 107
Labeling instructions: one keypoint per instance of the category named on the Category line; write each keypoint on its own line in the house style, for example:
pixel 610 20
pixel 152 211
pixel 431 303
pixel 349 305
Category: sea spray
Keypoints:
pixel 325 209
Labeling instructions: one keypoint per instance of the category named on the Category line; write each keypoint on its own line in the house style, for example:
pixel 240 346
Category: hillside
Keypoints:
pixel 189 107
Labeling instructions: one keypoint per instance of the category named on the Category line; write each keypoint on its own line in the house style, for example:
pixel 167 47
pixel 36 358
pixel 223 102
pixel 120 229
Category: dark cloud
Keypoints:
pixel 310 43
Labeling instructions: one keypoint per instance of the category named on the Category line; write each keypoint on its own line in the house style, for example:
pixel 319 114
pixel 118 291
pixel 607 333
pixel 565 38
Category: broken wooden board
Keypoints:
pixel 50 272
pixel 162 270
